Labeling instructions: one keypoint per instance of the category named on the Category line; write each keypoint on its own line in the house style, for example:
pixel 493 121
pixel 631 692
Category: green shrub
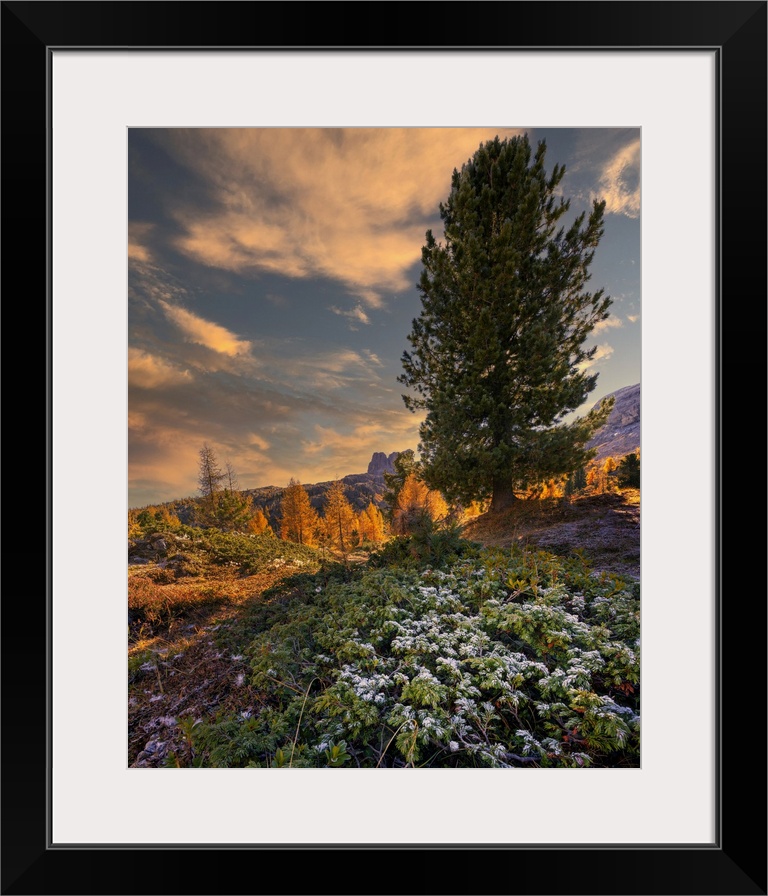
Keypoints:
pixel 254 553
pixel 502 658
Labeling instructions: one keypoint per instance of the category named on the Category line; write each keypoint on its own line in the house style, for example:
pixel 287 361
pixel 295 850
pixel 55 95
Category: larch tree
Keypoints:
pixel 498 358
pixel 607 474
pixel 370 524
pixel 258 524
pixel 210 479
pixel 299 521
pixel 416 501
pixel 339 521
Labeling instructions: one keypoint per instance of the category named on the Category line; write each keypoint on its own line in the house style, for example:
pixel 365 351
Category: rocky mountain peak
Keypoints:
pixel 382 463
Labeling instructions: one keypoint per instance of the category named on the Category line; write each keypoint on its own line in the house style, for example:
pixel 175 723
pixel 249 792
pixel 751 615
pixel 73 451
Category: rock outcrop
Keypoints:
pixel 621 433
pixel 381 463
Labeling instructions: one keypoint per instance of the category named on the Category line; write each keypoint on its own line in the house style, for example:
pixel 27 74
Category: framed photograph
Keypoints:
pixel 94 93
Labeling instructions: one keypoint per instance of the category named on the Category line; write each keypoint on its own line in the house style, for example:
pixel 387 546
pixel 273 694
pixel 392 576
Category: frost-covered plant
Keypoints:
pixel 506 659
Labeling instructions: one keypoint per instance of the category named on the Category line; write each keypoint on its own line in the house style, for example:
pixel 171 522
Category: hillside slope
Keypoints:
pixel 621 433
pixel 604 528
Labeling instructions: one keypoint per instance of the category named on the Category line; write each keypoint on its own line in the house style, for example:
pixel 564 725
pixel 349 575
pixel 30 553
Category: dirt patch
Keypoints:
pixel 605 529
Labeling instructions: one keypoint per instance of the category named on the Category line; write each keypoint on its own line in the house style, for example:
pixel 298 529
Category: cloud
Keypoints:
pixel 256 440
pixel 633 318
pixel 147 371
pixel 351 204
pixel 354 314
pixel 373 357
pixel 603 352
pixel 204 332
pixel 349 448
pixel 137 235
pixel 608 324
pixel 619 183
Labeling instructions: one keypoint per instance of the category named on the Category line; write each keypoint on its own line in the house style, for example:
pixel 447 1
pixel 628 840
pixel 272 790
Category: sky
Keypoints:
pixel 272 286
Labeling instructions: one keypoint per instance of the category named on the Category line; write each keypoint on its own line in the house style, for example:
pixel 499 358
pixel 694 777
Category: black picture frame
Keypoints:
pixel 736 863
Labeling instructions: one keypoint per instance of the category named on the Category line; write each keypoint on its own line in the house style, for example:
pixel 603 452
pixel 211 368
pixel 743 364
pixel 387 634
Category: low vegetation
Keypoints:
pixel 435 649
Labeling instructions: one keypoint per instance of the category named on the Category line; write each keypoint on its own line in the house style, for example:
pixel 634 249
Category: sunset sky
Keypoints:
pixel 272 286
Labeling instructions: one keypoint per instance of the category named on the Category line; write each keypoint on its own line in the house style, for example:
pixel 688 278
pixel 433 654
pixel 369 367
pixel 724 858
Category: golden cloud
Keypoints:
pixel 150 372
pixel 603 352
pixel 620 181
pixel 354 314
pixel 258 441
pixel 351 204
pixel 204 332
pixel 609 323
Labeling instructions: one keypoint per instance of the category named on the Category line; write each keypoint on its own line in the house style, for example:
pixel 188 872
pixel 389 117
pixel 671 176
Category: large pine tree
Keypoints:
pixel 498 354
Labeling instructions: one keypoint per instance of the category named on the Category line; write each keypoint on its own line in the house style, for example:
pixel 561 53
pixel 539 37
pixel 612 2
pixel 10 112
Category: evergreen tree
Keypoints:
pixel 299 518
pixel 575 483
pixel 235 510
pixel 223 505
pixel 498 354
pixel 404 464
pixel 579 479
pixel 628 471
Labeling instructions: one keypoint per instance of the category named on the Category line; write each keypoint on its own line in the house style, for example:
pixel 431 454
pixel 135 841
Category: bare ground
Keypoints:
pixel 186 673
pixel 605 529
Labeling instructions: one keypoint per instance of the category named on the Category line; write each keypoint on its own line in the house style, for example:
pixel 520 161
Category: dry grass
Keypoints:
pixel 177 667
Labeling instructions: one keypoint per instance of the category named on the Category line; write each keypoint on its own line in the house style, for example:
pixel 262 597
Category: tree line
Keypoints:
pixel 410 505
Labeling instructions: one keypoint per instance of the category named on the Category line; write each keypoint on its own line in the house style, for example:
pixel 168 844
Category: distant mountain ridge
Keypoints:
pixel 361 490
pixel 620 435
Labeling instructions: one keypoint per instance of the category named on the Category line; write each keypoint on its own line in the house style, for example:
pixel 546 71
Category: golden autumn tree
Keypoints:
pixel 299 518
pixel 552 488
pixel 258 524
pixel 414 501
pixel 370 524
pixel 606 480
pixel 339 520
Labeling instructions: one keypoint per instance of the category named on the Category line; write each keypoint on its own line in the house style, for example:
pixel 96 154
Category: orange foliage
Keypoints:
pixel 300 520
pixel 413 500
pixel 370 524
pixel 258 524
pixel 339 521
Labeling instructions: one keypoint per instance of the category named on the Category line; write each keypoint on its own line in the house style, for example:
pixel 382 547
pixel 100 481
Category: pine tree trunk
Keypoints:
pixel 503 495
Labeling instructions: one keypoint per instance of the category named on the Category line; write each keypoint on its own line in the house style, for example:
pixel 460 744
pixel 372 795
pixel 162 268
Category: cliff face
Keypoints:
pixel 381 463
pixel 621 433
